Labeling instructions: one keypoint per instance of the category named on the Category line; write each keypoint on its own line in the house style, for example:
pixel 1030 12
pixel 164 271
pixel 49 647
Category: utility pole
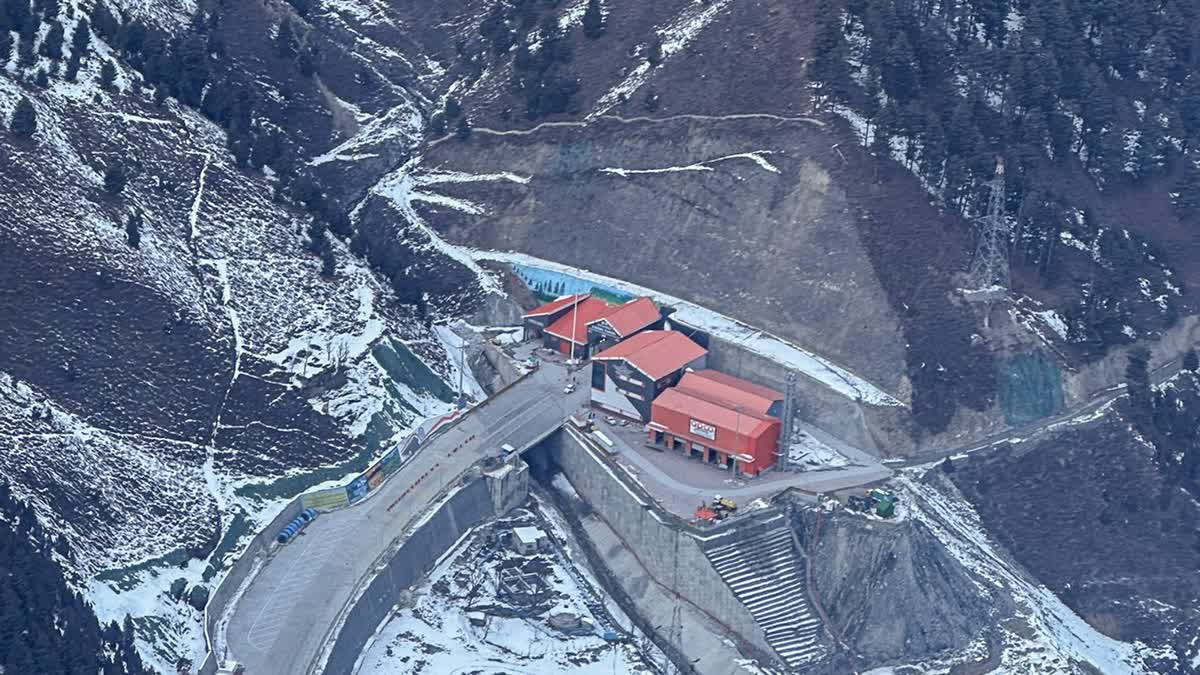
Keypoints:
pixel 989 277
pixel 574 326
pixel 462 351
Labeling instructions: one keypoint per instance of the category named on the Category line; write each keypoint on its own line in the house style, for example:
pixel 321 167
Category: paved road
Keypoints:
pixel 680 484
pixel 1098 400
pixel 282 621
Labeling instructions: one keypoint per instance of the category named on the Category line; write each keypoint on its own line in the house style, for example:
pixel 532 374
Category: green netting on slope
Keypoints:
pixel 1030 388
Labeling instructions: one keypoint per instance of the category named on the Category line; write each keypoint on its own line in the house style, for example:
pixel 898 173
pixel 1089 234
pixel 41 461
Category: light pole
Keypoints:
pixel 574 327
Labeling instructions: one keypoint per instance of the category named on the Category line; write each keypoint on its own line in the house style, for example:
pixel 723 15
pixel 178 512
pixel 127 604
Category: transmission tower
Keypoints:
pixel 785 438
pixel 989 273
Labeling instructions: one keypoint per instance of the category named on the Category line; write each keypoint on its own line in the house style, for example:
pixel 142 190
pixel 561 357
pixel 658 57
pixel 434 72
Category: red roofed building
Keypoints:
pixel 569 333
pixel 536 320
pixel 628 376
pixel 732 391
pixel 719 419
pixel 628 319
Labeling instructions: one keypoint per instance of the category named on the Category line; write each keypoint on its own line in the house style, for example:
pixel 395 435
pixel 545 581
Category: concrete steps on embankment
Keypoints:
pixel 767 575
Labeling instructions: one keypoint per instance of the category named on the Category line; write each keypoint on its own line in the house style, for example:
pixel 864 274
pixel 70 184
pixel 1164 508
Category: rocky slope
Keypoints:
pixel 230 236
pixel 173 345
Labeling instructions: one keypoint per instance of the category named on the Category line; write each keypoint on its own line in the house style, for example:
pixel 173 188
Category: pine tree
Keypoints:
pixel 108 74
pixel 438 125
pixel 328 264
pixel 52 44
pixel 453 108
pixel 133 227
pixel 593 20
pixel 103 21
pixel 6 45
pixel 73 65
pixel 26 55
pixel 654 52
pixel 49 9
pixel 462 130
pixel 115 178
pixel 42 78
pixel 308 61
pixel 286 43
pixel 24 119
pixel 81 37
pixel 651 102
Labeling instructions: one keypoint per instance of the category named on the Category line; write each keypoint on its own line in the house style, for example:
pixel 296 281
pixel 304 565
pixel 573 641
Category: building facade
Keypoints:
pixel 720 420
pixel 569 333
pixel 537 320
pixel 623 322
pixel 627 377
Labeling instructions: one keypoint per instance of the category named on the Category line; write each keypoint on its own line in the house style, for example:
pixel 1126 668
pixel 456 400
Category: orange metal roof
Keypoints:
pixel 657 353
pixel 728 390
pixel 589 309
pixel 559 304
pixel 632 316
pixel 744 423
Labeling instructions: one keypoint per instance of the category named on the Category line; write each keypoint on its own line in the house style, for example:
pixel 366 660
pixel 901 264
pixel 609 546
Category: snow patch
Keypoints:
pixel 756 157
pixel 675 38
pixel 403 188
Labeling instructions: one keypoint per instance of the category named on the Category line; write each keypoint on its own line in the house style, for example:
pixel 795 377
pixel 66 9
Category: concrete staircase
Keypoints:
pixel 767 575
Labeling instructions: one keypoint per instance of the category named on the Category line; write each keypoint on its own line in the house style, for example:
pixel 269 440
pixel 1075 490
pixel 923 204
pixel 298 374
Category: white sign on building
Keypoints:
pixel 701 429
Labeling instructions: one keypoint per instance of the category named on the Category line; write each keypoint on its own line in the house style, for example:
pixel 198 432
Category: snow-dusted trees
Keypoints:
pixel 47 627
pixel 24 119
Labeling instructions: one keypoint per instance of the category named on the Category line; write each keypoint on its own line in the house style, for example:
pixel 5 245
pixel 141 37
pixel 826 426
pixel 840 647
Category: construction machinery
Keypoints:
pixel 720 509
pixel 882 502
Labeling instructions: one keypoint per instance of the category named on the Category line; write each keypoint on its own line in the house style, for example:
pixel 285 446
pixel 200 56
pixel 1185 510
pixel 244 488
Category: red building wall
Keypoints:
pixel 729 441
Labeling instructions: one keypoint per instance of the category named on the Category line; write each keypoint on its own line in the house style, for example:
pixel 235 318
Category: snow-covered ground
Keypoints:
pixel 403 187
pixel 675 37
pixel 810 451
pixel 756 157
pixel 1057 638
pixel 460 623
pixel 826 372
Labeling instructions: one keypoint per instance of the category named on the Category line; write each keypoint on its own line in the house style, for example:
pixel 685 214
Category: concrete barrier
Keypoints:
pixel 239 571
pixel 668 547
pixel 416 556
pixel 324 500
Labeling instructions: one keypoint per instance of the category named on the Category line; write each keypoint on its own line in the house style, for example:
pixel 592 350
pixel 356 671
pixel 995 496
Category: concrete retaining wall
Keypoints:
pixel 415 557
pixel 218 602
pixel 669 553
pixel 875 428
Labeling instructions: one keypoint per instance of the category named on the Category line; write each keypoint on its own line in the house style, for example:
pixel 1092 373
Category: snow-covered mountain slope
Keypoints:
pixel 153 395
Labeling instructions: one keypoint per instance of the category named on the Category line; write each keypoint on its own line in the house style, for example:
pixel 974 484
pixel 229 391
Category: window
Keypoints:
pixel 598 375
